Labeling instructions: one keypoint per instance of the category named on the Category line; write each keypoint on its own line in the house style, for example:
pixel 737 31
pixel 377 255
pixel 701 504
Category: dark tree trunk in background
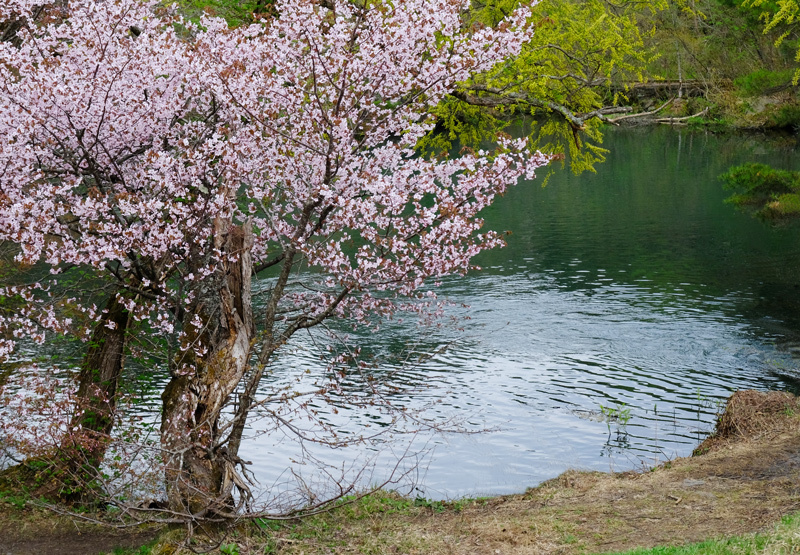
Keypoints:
pixel 97 387
pixel 9 28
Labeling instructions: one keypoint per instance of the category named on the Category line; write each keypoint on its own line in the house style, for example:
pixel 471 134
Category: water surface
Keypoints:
pixel 635 289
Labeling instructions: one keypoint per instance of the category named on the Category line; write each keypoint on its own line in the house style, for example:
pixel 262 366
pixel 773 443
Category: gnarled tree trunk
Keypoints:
pixel 198 470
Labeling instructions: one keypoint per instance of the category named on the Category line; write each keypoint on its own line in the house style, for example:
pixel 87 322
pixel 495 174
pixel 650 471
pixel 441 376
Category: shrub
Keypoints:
pixel 761 81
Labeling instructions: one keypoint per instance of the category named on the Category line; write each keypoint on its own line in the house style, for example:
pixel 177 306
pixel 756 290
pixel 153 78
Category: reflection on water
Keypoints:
pixel 635 289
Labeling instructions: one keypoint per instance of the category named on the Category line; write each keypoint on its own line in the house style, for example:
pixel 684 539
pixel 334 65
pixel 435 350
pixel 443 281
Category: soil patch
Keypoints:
pixel 33 531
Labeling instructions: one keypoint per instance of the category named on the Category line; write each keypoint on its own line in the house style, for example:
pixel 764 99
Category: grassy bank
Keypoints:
pixel 784 538
pixel 746 480
pixel 364 530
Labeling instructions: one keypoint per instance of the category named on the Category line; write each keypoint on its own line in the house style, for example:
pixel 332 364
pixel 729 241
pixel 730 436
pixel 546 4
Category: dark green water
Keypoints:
pixel 654 211
pixel 635 288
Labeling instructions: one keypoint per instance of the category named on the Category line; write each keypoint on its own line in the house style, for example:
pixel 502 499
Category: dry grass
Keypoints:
pixel 750 415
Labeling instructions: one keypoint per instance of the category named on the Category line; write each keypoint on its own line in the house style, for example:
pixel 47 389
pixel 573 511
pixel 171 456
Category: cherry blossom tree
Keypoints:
pixel 181 162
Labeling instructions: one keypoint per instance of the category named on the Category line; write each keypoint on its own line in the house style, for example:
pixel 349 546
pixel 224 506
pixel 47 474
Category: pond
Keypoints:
pixel 626 307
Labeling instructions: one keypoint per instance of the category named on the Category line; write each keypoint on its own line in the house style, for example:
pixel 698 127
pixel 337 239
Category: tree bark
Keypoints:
pixel 101 369
pixel 198 468
pixel 96 402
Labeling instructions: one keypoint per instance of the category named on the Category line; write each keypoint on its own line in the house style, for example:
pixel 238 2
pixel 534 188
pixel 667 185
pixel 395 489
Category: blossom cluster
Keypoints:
pixel 127 134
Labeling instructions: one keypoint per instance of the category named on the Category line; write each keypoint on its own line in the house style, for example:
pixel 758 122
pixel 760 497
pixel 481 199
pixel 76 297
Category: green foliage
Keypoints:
pixel 229 549
pixel 267 525
pixel 18 500
pixel 752 13
pixel 782 15
pixel 384 502
pixel 717 41
pixel 235 12
pixel 146 549
pixel 770 193
pixel 786 116
pixel 583 56
pixel 435 506
pixel 761 80
pixel 619 414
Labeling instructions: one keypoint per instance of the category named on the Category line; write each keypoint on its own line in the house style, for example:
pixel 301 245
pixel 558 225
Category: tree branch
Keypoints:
pixel 500 97
pixel 643 114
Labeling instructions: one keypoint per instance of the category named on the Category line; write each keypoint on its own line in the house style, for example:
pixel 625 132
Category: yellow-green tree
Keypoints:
pixel 583 57
pixel 781 15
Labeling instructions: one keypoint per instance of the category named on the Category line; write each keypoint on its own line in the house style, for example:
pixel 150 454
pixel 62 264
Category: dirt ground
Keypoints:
pixel 36 532
pixel 745 480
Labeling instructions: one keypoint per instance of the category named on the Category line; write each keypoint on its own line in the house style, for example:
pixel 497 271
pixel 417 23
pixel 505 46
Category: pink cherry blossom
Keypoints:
pixel 130 137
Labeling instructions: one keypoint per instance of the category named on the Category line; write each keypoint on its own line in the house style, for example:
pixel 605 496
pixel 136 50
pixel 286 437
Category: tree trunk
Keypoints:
pixel 95 406
pixel 198 470
pixel 99 377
